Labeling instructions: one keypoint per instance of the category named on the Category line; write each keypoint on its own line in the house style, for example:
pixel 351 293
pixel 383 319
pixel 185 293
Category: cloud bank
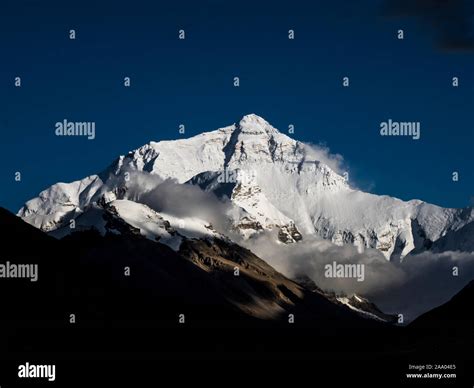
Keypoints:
pixel 412 287
pixel 418 284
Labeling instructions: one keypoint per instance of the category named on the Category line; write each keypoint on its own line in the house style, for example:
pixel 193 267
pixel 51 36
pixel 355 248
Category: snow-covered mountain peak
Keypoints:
pixel 274 180
pixel 253 140
pixel 255 125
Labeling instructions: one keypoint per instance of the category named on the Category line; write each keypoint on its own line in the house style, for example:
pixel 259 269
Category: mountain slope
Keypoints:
pixel 447 330
pixel 453 315
pixel 84 273
pixel 137 315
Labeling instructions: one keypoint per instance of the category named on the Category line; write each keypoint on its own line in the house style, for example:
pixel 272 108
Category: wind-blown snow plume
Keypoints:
pixel 323 154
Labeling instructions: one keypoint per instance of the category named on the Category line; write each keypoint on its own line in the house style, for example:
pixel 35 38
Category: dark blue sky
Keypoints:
pixel 191 82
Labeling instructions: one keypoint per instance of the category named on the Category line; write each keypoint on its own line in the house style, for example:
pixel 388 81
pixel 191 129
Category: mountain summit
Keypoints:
pixel 254 124
pixel 273 182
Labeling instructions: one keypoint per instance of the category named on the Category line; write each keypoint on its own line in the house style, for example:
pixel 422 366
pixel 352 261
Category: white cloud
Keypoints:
pixel 421 282
pixel 418 284
pixel 323 154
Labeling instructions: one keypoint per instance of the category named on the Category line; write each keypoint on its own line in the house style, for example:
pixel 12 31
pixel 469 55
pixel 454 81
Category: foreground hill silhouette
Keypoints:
pixel 226 317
